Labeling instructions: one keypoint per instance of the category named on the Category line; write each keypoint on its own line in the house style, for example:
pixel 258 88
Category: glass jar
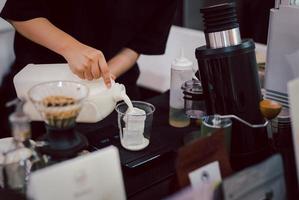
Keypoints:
pixel 193 99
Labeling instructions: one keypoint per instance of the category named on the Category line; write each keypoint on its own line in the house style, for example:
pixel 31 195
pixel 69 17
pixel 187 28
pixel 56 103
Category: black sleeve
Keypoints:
pixel 152 38
pixel 22 10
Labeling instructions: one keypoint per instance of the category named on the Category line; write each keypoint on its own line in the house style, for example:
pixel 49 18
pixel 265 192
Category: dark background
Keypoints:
pixel 253 16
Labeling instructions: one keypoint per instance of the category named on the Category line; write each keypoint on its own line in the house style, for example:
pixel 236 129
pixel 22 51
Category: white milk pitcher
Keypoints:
pixel 100 102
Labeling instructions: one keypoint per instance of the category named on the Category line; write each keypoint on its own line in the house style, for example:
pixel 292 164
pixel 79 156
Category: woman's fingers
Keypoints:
pixel 88 63
pixel 95 69
pixel 105 72
pixel 87 71
pixel 112 77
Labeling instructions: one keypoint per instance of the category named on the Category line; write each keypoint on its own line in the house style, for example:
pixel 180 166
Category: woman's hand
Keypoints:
pixel 87 62
pixel 84 61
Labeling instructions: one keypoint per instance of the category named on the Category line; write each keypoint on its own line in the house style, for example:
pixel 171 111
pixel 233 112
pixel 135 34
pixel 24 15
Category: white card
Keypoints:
pixel 293 90
pixel 206 175
pixel 93 176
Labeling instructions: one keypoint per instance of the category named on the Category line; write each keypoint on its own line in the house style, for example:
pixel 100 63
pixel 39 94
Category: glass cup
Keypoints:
pixel 135 128
pixel 59 102
pixel 193 99
pixel 212 123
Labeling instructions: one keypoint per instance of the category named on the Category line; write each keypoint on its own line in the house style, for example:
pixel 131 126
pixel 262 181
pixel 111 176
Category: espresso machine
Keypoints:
pixel 229 76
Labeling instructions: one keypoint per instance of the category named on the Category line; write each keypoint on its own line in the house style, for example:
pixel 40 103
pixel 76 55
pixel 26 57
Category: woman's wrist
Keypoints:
pixel 122 62
pixel 68 44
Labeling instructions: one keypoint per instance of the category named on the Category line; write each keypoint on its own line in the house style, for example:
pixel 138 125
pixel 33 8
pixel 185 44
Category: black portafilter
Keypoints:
pixel 229 76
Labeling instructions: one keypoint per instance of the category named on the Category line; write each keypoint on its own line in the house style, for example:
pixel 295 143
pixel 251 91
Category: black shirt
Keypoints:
pixel 107 25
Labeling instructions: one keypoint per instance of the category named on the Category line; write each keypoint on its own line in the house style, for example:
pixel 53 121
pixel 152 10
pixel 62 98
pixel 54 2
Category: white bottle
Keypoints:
pixel 181 71
pixel 22 158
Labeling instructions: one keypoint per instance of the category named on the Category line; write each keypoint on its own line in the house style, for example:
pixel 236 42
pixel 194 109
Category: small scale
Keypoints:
pixel 63 143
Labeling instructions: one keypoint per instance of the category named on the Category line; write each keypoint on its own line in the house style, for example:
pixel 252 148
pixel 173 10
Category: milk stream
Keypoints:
pixel 127 100
pixel 132 137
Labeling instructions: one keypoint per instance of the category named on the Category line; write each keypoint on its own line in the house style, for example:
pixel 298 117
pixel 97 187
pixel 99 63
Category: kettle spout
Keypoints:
pixel 118 91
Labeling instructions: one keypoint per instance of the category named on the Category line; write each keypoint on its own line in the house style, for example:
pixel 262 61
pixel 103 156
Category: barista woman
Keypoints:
pixel 97 38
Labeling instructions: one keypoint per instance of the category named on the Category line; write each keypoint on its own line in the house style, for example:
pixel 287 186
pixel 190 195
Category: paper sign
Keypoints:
pixel 206 175
pixel 93 176
pixel 293 90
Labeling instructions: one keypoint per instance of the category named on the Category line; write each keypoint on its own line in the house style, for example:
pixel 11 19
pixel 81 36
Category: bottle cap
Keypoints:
pixel 182 63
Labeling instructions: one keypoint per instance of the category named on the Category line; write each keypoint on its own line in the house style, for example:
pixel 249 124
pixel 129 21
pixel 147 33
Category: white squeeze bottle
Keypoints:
pixel 181 71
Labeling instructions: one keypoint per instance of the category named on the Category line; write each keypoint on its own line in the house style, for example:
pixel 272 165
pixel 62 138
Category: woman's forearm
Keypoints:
pixel 84 61
pixel 43 32
pixel 122 62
